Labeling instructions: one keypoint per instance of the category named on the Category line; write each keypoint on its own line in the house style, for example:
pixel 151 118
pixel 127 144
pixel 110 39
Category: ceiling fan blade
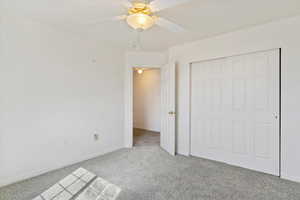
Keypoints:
pixel 126 3
pixel 169 25
pixel 158 5
pixel 115 18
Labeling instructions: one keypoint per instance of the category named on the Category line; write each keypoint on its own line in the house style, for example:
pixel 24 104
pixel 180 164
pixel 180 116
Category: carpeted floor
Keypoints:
pixel 145 138
pixel 147 172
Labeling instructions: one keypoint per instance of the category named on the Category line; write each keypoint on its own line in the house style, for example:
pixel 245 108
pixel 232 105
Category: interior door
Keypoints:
pixel 168 115
pixel 235 110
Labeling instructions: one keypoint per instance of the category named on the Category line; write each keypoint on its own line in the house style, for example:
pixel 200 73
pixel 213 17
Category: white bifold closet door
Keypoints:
pixel 235 110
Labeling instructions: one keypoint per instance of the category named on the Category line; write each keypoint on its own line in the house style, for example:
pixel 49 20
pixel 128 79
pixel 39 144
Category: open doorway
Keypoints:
pixel 146 106
pixel 167 106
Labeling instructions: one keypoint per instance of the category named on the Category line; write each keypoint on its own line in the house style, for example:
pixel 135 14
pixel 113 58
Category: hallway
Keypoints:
pixel 145 138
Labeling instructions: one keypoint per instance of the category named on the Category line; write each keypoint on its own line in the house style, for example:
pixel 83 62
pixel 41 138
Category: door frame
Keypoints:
pixel 189 65
pixel 128 95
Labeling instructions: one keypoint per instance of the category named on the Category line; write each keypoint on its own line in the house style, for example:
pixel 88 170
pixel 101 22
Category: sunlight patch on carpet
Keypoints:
pixel 81 185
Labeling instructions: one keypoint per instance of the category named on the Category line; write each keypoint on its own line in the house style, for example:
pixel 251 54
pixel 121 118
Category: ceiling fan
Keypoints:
pixel 141 14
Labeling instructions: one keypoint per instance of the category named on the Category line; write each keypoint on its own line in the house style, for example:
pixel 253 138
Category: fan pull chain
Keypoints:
pixel 137 45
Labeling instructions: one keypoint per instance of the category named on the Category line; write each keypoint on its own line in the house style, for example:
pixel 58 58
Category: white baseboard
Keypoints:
pixel 290 178
pixel 4 181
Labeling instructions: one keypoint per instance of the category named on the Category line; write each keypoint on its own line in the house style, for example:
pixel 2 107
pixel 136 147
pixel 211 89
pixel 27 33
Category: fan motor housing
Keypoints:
pixel 140 8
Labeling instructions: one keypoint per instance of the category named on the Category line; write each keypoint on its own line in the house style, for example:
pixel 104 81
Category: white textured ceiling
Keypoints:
pixel 203 18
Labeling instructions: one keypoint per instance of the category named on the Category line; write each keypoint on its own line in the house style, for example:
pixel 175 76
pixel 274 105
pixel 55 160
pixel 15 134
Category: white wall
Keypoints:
pixel 146 100
pixel 282 34
pixel 53 96
pixel 146 59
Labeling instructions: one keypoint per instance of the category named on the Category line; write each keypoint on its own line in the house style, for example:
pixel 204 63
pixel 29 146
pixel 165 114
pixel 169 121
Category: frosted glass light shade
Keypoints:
pixel 140 21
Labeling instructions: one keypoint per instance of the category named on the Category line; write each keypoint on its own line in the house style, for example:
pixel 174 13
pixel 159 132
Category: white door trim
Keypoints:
pixel 128 95
pixel 138 59
pixel 187 63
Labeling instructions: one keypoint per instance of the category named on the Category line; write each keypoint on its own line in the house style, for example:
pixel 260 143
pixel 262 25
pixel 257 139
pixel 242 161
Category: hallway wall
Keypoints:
pixel 146 100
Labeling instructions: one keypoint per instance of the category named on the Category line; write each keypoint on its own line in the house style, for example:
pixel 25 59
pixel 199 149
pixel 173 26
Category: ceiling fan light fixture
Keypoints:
pixel 140 71
pixel 140 21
